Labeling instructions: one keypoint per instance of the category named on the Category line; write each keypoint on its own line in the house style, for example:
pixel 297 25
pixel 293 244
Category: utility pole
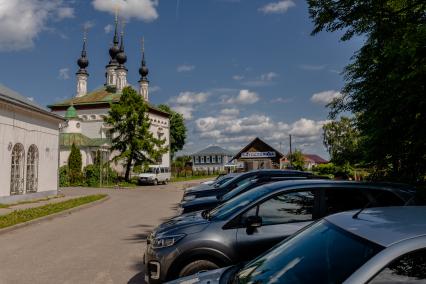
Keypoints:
pixel 291 154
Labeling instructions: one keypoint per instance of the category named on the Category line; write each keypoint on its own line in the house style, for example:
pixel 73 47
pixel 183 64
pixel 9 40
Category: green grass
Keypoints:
pixel 25 215
pixel 31 201
pixel 188 178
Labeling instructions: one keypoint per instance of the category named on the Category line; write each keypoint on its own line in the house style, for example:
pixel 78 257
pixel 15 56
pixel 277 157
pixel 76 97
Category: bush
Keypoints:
pixel 74 166
pixel 63 176
pixel 342 172
pixel 92 175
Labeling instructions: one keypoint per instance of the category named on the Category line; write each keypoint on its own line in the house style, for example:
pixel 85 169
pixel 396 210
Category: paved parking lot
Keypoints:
pixel 101 244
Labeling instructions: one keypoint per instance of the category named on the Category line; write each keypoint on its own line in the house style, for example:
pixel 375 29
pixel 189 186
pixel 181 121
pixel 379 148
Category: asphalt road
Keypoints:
pixel 101 244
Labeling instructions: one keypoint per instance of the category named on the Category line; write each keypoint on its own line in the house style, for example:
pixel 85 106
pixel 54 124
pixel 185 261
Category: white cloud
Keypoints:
pixel 88 24
pixel 185 68
pixel 307 128
pixel 244 97
pixel 279 7
pixel 21 21
pixel 64 73
pixel 190 98
pixel 145 10
pixel 31 98
pixel 282 100
pixel 186 111
pixel 268 76
pixel 108 28
pixel 184 103
pixel 65 13
pixel 230 112
pixel 238 77
pixel 154 89
pixel 325 97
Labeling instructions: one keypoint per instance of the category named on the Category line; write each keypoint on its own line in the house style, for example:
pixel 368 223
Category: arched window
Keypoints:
pixel 17 170
pixel 32 169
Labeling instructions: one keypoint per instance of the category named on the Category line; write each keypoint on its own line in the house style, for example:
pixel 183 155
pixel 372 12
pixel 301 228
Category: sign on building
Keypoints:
pixel 269 154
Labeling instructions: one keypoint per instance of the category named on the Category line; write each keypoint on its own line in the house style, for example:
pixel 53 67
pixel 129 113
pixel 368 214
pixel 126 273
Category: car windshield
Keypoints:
pixel 222 180
pixel 151 170
pixel 228 208
pixel 236 191
pixel 322 253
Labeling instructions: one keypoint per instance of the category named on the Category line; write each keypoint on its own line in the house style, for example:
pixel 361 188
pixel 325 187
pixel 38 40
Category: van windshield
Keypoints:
pixel 152 170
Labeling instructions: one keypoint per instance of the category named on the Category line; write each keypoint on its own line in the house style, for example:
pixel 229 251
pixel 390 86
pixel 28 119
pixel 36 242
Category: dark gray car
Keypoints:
pixel 249 224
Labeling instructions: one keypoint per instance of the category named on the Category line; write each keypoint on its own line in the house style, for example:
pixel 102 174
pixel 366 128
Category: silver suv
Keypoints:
pixel 375 246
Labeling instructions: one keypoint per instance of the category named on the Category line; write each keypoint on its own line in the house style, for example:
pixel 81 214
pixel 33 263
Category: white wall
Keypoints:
pixel 28 127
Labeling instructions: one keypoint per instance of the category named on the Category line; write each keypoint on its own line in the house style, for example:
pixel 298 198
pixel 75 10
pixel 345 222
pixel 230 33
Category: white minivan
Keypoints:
pixel 155 175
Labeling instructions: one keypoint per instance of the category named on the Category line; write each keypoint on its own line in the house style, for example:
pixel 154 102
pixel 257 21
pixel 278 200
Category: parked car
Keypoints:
pixel 221 180
pixel 210 182
pixel 251 223
pixel 239 180
pixel 210 202
pixel 155 175
pixel 375 246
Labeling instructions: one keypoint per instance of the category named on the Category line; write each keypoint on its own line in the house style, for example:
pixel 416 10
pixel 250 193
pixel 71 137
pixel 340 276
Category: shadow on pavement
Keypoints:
pixel 138 278
pixel 138 238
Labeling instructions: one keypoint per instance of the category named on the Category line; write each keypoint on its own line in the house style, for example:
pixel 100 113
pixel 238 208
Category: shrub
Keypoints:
pixel 74 165
pixel 92 175
pixel 63 176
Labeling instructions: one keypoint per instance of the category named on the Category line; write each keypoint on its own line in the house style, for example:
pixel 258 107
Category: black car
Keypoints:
pixel 209 202
pixel 239 180
pixel 218 182
pixel 252 222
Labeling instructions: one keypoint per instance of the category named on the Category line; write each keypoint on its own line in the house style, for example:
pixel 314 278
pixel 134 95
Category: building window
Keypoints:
pixel 197 160
pixel 17 170
pixel 202 160
pixel 32 169
pixel 208 160
pixel 213 159
pixel 219 159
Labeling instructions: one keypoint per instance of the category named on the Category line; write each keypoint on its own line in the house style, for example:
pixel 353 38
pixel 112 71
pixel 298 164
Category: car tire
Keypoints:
pixel 197 266
pixel 165 182
pixel 155 182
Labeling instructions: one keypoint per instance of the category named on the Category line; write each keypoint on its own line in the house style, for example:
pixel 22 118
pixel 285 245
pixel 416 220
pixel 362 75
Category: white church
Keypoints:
pixel 85 112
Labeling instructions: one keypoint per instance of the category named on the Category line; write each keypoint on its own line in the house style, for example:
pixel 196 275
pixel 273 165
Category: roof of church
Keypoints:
pixel 13 97
pixel 67 139
pixel 100 96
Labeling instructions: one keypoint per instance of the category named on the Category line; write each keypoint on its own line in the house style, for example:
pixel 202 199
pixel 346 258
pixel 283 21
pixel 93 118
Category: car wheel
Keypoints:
pixel 197 266
pixel 166 181
pixel 155 182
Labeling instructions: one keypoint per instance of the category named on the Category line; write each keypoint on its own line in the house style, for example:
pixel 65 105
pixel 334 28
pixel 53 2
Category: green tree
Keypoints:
pixel 130 125
pixel 341 138
pixel 177 130
pixel 385 82
pixel 297 160
pixel 74 165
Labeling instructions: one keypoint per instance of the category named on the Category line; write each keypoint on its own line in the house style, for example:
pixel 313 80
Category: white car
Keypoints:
pixel 374 246
pixel 155 175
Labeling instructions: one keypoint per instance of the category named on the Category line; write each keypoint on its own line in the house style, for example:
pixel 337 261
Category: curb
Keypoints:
pixel 53 216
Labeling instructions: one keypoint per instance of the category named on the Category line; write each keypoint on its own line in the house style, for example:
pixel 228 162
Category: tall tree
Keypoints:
pixel 297 160
pixel 385 82
pixel 177 129
pixel 130 125
pixel 341 138
pixel 74 164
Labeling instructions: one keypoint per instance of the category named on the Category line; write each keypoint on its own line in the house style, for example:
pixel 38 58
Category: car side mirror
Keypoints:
pixel 253 222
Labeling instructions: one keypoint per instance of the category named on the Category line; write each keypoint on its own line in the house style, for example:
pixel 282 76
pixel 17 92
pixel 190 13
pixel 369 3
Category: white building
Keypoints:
pixel 211 159
pixel 85 112
pixel 29 137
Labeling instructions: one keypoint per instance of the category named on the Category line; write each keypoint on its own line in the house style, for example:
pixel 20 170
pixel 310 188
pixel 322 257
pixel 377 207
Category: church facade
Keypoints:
pixel 86 111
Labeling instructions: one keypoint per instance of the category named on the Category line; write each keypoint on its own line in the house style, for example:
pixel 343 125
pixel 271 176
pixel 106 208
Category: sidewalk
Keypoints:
pixel 35 203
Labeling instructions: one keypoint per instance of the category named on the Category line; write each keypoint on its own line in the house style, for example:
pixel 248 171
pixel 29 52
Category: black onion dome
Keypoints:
pixel 144 71
pixel 83 62
pixel 121 58
pixel 113 51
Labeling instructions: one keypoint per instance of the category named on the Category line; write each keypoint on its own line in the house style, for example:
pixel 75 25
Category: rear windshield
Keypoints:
pixel 322 253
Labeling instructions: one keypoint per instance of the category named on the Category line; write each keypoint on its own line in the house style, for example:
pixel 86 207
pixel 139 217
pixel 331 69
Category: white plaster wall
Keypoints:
pixel 28 127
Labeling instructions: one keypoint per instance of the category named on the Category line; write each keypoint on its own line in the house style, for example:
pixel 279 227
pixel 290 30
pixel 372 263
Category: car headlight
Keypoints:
pixel 189 197
pixel 167 241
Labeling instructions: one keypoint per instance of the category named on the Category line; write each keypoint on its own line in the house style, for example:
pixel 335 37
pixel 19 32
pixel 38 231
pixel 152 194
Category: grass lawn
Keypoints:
pixel 30 201
pixel 21 216
pixel 175 179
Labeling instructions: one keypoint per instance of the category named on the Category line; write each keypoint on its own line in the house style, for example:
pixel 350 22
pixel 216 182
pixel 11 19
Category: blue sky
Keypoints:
pixel 235 68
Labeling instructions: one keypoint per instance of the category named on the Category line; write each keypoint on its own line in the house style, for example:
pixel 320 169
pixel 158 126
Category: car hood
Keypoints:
pixel 208 277
pixel 199 201
pixel 189 223
pixel 199 187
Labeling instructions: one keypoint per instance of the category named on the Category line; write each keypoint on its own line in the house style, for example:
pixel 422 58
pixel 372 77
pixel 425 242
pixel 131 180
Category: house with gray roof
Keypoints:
pixel 211 159
pixel 29 148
